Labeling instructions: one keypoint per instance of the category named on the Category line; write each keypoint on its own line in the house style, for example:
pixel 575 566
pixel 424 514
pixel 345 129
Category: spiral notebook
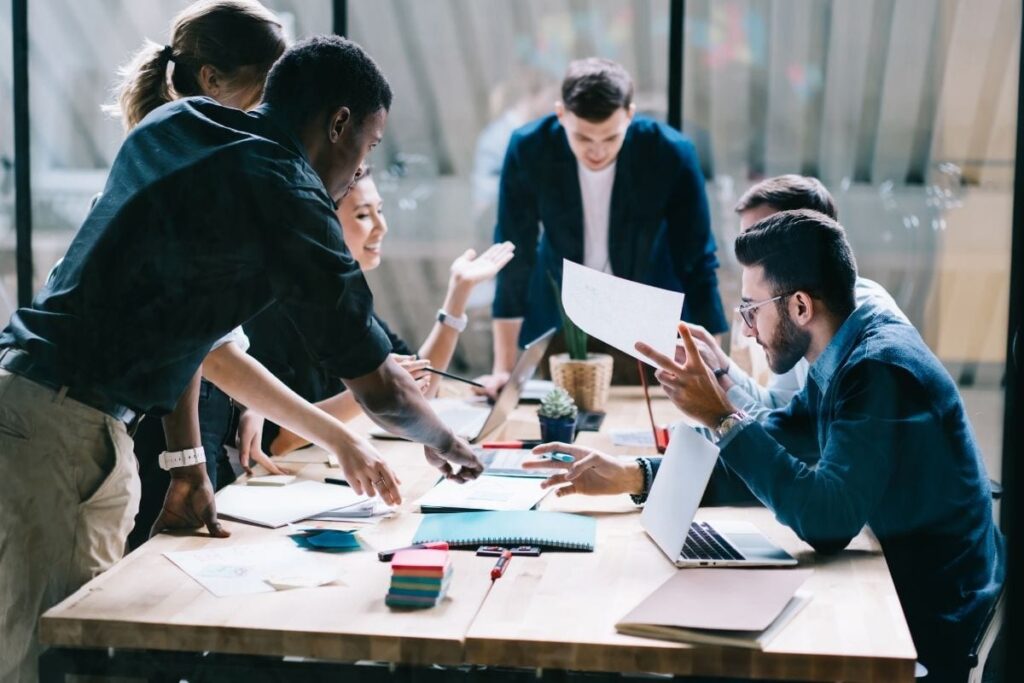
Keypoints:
pixel 551 530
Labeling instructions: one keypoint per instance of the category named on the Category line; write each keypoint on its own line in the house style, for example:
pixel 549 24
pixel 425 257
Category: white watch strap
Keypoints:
pixel 189 456
pixel 456 323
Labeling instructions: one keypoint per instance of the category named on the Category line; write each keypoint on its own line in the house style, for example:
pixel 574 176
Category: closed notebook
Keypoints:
pixel 553 530
pixel 730 607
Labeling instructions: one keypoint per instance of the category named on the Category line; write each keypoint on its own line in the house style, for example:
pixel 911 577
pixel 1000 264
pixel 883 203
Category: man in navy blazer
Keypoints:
pixel 596 185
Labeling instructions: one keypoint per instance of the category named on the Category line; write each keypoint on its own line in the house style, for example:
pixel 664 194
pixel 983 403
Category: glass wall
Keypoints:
pixel 73 141
pixel 466 73
pixel 906 110
pixel 8 271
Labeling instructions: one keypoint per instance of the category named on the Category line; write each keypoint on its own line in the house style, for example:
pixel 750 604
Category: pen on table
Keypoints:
pixel 386 555
pixel 501 565
pixel 529 443
pixel 560 457
pixel 335 480
pixel 455 377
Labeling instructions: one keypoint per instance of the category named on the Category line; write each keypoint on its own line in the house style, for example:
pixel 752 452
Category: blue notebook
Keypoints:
pixel 520 527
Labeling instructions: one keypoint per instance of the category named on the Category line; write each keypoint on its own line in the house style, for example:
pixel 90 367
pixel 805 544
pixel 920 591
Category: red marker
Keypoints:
pixel 532 443
pixel 501 565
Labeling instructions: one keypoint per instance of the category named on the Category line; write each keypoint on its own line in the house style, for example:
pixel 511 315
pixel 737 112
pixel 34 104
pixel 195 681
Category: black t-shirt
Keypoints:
pixel 276 343
pixel 209 214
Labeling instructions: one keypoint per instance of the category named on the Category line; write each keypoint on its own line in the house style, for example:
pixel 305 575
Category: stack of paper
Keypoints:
pixel 419 578
pixel 484 493
pixel 275 506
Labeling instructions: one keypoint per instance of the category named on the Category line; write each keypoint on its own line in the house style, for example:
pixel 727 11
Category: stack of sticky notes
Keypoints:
pixel 419 578
pixel 327 540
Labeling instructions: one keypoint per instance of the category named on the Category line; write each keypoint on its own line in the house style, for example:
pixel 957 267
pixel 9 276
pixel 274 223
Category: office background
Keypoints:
pixel 907 110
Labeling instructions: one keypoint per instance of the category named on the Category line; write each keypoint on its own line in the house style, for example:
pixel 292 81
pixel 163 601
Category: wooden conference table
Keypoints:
pixel 557 611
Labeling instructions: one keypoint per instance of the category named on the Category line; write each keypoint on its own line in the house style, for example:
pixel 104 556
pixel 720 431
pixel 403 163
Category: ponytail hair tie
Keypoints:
pixel 167 53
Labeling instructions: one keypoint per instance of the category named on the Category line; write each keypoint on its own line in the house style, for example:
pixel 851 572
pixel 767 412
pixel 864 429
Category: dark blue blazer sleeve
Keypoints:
pixel 692 246
pixel 518 222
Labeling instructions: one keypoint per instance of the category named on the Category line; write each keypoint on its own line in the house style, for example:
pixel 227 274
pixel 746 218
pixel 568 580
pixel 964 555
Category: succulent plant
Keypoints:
pixel 557 404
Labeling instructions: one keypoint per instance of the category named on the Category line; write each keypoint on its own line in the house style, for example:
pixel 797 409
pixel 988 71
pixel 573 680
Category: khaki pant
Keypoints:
pixel 69 491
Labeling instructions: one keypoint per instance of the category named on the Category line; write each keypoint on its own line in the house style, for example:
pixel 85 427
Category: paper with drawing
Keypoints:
pixel 621 312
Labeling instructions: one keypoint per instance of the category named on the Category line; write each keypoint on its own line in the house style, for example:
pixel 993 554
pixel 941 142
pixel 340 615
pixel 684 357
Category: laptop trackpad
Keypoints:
pixel 751 543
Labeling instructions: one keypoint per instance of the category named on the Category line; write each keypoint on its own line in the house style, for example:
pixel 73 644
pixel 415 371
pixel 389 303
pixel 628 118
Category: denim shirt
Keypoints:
pixel 879 436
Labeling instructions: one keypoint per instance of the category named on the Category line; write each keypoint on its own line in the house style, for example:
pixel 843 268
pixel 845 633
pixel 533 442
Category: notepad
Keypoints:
pixel 552 530
pixel 275 506
pixel 419 578
pixel 730 607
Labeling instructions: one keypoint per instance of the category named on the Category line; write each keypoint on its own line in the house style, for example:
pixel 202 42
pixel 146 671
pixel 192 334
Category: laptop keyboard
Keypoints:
pixel 704 543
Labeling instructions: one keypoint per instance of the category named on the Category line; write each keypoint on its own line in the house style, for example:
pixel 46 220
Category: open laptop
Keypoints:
pixel 474 422
pixel 672 504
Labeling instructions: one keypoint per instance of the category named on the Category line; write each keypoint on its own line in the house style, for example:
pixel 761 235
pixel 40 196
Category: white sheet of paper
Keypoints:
pixel 245 569
pixel 631 437
pixel 275 506
pixel 270 480
pixel 366 513
pixel 486 493
pixel 621 312
pixel 303 455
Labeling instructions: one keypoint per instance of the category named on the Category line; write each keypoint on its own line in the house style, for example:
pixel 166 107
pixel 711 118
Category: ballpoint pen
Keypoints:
pixel 455 377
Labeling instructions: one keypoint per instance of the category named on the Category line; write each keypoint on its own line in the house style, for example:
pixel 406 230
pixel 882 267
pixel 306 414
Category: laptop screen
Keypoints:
pixel 508 397
pixel 675 495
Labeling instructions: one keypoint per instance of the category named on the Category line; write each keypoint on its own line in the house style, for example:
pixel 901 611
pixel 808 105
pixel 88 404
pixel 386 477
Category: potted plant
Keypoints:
pixel 586 376
pixel 557 415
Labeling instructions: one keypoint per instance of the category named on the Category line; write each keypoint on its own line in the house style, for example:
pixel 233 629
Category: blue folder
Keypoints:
pixel 552 530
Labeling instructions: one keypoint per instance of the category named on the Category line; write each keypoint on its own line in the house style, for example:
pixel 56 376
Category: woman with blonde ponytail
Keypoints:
pixel 221 49
pixel 218 48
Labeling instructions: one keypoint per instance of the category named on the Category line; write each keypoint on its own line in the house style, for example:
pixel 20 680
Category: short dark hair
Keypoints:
pixel 803 250
pixel 322 73
pixel 593 88
pixel 788 192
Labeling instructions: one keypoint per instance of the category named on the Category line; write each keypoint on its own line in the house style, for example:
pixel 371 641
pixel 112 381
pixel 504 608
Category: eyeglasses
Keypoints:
pixel 748 311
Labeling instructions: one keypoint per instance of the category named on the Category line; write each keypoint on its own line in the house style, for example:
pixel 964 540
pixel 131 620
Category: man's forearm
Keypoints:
pixel 506 343
pixel 390 397
pixel 181 426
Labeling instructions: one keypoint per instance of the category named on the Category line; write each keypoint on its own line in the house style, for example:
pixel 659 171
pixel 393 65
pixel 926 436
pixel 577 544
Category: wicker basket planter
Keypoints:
pixel 587 381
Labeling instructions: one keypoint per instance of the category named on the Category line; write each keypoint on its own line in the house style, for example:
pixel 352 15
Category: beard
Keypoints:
pixel 787 346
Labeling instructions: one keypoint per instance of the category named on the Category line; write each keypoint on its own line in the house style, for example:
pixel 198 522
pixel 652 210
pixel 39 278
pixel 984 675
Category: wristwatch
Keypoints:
pixel 190 456
pixel 445 318
pixel 729 423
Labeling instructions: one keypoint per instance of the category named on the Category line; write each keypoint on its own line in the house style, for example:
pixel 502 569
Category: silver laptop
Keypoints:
pixel 474 422
pixel 672 504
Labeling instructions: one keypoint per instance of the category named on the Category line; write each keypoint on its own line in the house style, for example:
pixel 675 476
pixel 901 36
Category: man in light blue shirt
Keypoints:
pixel 877 437
pixel 781 193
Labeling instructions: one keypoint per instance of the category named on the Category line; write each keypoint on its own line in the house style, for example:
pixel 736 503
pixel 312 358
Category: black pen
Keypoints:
pixel 335 480
pixel 455 377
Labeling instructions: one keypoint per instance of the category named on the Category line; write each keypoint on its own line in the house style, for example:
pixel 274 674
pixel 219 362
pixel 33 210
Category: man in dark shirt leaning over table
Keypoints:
pixel 209 214
pixel 878 436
